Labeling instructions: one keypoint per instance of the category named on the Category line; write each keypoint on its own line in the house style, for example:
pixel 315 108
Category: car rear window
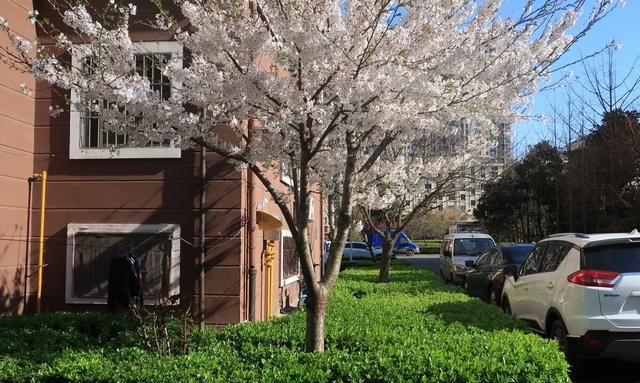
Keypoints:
pixel 516 254
pixel 621 258
pixel 471 246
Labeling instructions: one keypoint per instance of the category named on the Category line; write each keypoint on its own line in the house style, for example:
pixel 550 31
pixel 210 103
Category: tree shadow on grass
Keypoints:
pixel 41 338
pixel 473 313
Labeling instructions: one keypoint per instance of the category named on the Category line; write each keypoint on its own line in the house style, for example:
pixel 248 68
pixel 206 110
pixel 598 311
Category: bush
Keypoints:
pixel 413 329
pixel 429 246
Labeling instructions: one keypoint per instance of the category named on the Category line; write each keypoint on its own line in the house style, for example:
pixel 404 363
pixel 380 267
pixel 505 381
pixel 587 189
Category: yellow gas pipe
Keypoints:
pixel 43 177
pixel 269 256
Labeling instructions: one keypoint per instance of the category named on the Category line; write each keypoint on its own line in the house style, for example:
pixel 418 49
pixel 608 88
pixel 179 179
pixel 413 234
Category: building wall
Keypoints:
pixel 154 191
pixel 16 166
pixel 285 295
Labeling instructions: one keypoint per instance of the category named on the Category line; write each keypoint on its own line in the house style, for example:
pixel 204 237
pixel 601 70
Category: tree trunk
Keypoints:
pixel 385 262
pixel 316 310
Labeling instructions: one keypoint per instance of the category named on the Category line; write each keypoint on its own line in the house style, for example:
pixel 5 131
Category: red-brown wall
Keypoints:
pixel 16 165
pixel 140 191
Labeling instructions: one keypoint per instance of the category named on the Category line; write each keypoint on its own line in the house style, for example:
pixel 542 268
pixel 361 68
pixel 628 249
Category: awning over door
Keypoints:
pixel 267 221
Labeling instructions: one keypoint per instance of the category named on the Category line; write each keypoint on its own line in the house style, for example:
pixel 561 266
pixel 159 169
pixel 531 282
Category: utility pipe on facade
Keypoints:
pixel 43 177
pixel 203 218
pixel 250 212
pixel 269 256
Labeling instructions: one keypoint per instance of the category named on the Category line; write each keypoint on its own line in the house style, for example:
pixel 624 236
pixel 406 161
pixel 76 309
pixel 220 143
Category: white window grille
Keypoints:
pixel 90 139
pixel 90 248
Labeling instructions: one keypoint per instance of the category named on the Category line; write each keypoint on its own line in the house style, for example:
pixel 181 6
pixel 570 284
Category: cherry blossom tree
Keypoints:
pixel 409 178
pixel 321 86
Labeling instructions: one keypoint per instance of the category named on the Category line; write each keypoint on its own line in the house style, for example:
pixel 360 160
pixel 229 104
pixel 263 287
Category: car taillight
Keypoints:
pixel 596 278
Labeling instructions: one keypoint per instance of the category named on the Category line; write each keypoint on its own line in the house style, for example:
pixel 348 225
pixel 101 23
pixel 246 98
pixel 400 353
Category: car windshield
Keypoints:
pixel 621 258
pixel 472 246
pixel 516 254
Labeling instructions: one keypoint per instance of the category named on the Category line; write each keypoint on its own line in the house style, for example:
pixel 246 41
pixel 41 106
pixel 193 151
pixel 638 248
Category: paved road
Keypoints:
pixel 598 371
pixel 423 260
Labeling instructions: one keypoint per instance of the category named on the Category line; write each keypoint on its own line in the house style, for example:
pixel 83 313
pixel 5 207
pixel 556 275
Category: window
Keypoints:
pixel 462 197
pixel 90 248
pixel 289 262
pixel 312 209
pixel 287 173
pixel 446 248
pixel 530 264
pixel 89 139
pixel 554 255
pixel 357 245
pixel 472 246
pixel 619 257
pixel 483 259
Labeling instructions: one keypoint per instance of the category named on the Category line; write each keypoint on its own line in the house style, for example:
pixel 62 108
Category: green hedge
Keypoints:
pixel 429 246
pixel 413 329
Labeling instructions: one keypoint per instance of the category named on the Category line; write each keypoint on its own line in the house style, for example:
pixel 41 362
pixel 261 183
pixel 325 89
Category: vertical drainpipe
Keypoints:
pixel 203 218
pixel 252 269
pixel 42 176
pixel 322 265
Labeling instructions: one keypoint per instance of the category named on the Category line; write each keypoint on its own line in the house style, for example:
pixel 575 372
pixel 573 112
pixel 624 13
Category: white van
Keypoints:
pixel 459 248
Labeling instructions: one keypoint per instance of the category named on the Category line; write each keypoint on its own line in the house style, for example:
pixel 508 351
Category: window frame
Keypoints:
pixel 294 278
pixel 76 151
pixel 115 228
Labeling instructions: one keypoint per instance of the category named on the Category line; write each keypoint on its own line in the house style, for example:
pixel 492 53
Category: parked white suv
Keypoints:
pixel 583 290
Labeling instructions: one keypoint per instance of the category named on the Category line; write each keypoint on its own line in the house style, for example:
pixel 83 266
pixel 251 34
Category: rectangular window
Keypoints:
pixel 287 173
pixel 312 209
pixel 289 261
pixel 90 139
pixel 90 248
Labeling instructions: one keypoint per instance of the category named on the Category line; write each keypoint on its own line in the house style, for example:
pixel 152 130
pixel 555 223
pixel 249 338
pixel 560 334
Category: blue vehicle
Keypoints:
pixel 402 245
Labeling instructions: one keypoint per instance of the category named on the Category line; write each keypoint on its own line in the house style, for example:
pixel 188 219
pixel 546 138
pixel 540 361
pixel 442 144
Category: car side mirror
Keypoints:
pixel 512 271
pixel 471 264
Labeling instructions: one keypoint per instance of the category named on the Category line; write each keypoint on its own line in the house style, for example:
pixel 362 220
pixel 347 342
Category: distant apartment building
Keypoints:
pixel 486 165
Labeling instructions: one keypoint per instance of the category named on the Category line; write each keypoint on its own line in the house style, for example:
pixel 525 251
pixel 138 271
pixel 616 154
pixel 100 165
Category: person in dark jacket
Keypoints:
pixel 125 284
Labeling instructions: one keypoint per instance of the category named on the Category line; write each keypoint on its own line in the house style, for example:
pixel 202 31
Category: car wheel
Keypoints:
pixel 559 333
pixel 410 253
pixel 506 307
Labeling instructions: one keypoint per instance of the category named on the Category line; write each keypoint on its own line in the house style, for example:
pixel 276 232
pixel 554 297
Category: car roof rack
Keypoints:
pixel 578 235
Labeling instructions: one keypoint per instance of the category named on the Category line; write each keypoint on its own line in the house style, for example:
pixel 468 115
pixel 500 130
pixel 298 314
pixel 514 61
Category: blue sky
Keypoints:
pixel 622 25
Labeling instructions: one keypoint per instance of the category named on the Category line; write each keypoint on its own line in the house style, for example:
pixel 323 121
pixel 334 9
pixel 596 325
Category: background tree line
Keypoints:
pixel 591 185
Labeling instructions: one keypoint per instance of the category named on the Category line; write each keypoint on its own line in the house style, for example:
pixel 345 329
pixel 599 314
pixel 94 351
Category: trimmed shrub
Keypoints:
pixel 413 329
pixel 429 246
